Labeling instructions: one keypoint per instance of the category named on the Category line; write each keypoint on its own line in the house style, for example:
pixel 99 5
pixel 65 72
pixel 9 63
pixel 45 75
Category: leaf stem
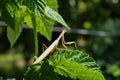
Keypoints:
pixel 35 37
pixel 35 41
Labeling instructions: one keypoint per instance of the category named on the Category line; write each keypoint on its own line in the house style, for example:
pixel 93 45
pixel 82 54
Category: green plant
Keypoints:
pixel 37 14
pixel 40 16
pixel 65 65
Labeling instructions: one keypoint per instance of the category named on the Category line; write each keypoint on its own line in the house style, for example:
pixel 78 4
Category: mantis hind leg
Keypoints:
pixel 68 43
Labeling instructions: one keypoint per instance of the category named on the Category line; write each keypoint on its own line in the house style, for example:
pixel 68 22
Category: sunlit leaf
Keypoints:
pixel 76 65
pixel 14 30
pixel 77 56
pixel 44 23
pixel 55 16
pixel 44 26
pixel 36 6
pixel 65 65
pixel 52 4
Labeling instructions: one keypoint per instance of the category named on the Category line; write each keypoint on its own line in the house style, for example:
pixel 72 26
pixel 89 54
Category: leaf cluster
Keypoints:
pixel 65 65
pixel 41 14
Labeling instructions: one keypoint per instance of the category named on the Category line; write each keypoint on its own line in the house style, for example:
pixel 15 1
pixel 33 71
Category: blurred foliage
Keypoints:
pixel 114 70
pixel 13 64
pixel 1 78
pixel 96 15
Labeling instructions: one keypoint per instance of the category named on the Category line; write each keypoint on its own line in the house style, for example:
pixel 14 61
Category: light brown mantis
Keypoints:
pixel 53 46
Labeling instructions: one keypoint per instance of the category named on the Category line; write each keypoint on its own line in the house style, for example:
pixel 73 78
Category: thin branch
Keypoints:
pixel 50 49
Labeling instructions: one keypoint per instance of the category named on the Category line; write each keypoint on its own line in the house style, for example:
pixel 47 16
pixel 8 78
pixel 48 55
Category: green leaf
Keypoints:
pixel 41 71
pixel 36 6
pixel 75 64
pixel 74 70
pixel 13 34
pixel 8 13
pixel 44 26
pixel 28 19
pixel 52 4
pixel 60 68
pixel 48 23
pixel 13 15
pixel 55 16
pixel 14 30
pixel 78 56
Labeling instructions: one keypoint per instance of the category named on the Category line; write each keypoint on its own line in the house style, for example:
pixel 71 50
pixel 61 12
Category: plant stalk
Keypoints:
pixel 35 37
pixel 35 41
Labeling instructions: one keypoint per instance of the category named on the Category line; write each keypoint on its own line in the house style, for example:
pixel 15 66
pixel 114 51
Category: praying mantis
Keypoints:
pixel 54 46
